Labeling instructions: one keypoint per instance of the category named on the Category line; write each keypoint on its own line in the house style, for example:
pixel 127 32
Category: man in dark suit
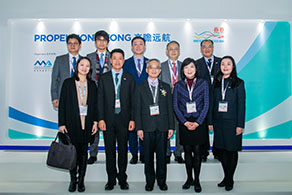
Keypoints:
pixel 115 113
pixel 64 67
pixel 100 60
pixel 170 74
pixel 208 66
pixel 136 65
pixel 154 123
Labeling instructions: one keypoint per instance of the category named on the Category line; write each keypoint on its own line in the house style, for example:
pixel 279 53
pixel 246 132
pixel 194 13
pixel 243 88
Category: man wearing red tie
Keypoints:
pixel 170 73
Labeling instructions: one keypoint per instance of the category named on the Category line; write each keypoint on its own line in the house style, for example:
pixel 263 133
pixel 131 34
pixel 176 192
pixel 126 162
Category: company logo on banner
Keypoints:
pixel 149 37
pixel 217 35
pixel 42 66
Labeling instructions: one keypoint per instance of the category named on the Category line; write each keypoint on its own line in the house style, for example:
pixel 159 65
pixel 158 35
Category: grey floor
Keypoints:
pixel 257 173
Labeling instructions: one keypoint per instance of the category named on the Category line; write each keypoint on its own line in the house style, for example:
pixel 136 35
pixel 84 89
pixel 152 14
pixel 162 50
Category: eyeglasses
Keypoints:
pixel 74 43
pixel 209 47
pixel 173 49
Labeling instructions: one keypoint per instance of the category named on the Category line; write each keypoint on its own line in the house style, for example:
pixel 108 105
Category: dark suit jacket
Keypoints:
pixel 165 75
pixel 130 67
pixel 96 65
pixel 69 114
pixel 236 104
pixel 61 71
pixel 203 71
pixel 106 98
pixel 143 99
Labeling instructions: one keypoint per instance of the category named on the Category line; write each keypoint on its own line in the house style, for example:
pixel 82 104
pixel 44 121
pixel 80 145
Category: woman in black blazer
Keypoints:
pixel 191 103
pixel 227 117
pixel 78 116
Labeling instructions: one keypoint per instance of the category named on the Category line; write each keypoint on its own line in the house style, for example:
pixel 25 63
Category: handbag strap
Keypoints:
pixel 66 136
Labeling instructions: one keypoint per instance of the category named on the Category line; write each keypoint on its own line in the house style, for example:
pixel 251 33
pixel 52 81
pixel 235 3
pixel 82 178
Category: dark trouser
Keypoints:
pixel 178 148
pixel 94 146
pixel 133 144
pixel 155 142
pixel 206 147
pixel 229 161
pixel 116 133
pixel 81 150
pixel 192 160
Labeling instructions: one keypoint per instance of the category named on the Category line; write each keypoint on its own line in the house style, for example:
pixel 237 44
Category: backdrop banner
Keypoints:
pixel 261 49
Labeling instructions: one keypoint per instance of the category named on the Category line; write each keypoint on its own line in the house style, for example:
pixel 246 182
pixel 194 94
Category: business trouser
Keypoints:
pixel 116 133
pixel 155 142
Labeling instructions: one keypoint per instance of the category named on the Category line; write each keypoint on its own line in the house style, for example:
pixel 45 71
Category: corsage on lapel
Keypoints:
pixel 163 92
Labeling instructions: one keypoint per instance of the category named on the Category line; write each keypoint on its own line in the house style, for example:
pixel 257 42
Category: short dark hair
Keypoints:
pixel 103 34
pixel 206 40
pixel 233 74
pixel 75 74
pixel 73 36
pixel 186 62
pixel 138 38
pixel 171 43
pixel 117 50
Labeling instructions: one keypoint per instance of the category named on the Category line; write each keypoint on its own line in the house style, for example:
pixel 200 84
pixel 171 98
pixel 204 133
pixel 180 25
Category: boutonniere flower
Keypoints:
pixel 163 92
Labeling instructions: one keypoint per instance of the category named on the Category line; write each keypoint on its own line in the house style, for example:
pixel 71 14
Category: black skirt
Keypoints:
pixel 195 137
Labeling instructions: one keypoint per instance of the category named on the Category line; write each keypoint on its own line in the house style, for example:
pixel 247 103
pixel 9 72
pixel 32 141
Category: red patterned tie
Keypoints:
pixel 174 76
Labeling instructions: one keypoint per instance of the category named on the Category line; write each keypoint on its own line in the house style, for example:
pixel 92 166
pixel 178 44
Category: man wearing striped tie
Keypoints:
pixel 170 73
pixel 64 67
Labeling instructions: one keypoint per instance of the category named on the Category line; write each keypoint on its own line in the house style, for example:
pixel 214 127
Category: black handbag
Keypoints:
pixel 62 155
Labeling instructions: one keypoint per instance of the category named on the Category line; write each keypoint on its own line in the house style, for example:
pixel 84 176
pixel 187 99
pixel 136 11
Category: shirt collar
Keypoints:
pixel 153 83
pixel 212 59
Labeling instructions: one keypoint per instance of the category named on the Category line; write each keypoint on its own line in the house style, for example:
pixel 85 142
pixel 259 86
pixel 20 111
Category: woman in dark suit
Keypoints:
pixel 226 117
pixel 191 102
pixel 78 116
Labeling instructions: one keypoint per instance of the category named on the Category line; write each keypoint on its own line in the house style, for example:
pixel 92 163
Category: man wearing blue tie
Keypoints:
pixel 64 67
pixel 100 60
pixel 136 66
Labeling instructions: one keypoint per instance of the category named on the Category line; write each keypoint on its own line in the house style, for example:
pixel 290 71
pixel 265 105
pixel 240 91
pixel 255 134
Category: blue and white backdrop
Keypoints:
pixel 261 49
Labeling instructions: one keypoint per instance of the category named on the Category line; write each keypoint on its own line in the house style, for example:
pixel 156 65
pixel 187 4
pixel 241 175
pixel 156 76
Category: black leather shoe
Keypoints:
pixel 188 184
pixel 168 159
pixel 124 186
pixel 81 187
pixel 142 159
pixel 163 187
pixel 134 160
pixel 72 186
pixel 204 158
pixel 91 160
pixel 221 184
pixel 179 159
pixel 198 187
pixel 109 186
pixel 228 187
pixel 148 188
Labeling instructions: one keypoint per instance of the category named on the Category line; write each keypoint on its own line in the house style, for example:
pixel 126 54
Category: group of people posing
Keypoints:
pixel 143 102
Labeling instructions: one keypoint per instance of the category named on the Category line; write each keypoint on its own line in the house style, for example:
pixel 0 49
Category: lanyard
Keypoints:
pixel 210 68
pixel 223 90
pixel 192 89
pixel 173 76
pixel 155 93
pixel 82 95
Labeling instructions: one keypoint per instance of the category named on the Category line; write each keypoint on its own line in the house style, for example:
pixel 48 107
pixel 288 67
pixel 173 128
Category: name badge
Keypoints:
pixel 191 107
pixel 212 79
pixel 83 110
pixel 223 106
pixel 117 103
pixel 154 110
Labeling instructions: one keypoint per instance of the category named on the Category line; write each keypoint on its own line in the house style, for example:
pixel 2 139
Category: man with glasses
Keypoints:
pixel 64 67
pixel 100 60
pixel 208 66
pixel 154 123
pixel 170 73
